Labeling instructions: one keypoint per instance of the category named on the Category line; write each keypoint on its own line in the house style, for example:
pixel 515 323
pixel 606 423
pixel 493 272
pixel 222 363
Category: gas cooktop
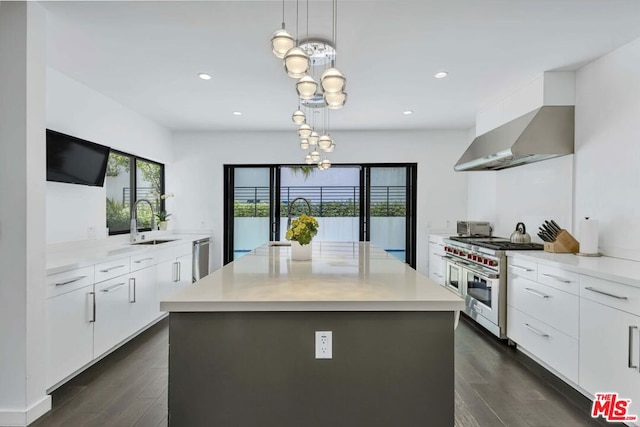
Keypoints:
pixel 498 243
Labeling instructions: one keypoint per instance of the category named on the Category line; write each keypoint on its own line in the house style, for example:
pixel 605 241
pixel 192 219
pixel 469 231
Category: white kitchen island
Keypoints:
pixel 242 342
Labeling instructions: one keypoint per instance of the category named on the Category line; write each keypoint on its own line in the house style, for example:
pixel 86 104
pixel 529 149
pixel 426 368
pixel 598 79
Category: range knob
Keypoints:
pixel 493 263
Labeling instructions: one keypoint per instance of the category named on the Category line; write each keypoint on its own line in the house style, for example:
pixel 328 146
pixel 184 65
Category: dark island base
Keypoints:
pixel 254 369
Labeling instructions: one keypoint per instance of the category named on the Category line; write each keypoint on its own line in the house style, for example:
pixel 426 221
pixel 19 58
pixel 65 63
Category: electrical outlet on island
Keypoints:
pixel 324 345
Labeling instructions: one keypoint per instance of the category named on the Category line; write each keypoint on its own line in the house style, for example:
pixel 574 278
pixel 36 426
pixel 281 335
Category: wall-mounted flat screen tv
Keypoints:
pixel 74 160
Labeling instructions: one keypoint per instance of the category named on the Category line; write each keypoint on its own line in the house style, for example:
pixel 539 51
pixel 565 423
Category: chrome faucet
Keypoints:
pixel 134 219
pixel 291 205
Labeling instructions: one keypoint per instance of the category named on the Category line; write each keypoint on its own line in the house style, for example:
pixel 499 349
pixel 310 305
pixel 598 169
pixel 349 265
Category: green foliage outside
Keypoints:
pixel 118 213
pixel 329 209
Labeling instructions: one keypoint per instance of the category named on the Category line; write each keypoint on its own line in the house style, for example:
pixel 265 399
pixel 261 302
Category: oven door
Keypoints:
pixel 482 295
pixel 453 277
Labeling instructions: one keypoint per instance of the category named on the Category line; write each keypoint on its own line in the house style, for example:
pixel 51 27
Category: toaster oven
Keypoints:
pixel 473 228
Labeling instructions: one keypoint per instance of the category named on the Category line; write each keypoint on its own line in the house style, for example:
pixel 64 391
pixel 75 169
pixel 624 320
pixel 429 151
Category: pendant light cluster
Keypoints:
pixel 301 61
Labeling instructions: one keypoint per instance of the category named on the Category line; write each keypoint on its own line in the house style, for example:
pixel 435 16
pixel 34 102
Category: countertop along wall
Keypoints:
pixel 603 172
pixel 199 159
pixel 80 111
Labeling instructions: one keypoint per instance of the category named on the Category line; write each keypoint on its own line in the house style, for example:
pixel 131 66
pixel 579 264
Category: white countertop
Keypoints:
pixel 614 269
pixel 71 255
pixel 341 277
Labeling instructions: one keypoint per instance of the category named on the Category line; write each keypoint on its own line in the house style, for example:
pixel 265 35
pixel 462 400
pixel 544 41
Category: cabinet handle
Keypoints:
pixel 598 291
pixel 179 271
pixel 630 364
pixel 535 331
pixel 106 270
pixel 92 296
pixel 559 279
pixel 174 277
pixel 536 293
pixel 73 279
pixel 132 280
pixel 436 254
pixel 114 287
pixel 521 268
pixel 143 260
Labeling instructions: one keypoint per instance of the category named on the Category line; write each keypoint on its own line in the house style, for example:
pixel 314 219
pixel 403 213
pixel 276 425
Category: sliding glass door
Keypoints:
pixel 351 202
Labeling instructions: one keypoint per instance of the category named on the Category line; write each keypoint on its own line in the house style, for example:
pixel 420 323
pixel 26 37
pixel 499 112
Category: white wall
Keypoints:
pixel 22 221
pixel 600 180
pixel 607 167
pixel 197 172
pixel 77 110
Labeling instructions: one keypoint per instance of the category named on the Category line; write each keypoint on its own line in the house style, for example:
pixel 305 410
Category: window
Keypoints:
pixel 130 179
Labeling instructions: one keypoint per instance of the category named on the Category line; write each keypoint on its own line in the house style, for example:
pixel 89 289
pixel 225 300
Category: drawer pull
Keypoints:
pixel 521 268
pixel 535 331
pixel 598 291
pixel 106 270
pixel 558 278
pixel 143 260
pixel 73 279
pixel 536 293
pixel 132 280
pixel 630 364
pixel 92 310
pixel 436 254
pixel 114 287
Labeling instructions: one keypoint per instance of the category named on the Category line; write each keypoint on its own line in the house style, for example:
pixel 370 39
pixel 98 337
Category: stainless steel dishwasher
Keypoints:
pixel 200 258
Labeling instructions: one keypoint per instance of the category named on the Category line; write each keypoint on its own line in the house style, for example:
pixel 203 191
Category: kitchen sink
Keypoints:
pixel 152 242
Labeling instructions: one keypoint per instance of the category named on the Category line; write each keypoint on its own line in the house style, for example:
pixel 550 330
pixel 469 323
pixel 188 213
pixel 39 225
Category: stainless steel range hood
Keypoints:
pixel 542 134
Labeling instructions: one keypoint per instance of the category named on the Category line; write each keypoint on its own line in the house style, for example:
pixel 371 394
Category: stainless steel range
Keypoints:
pixel 476 269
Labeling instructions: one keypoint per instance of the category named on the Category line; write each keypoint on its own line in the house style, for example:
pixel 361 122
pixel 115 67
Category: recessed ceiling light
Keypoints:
pixel 204 76
pixel 237 113
pixel 441 74
pixel 407 112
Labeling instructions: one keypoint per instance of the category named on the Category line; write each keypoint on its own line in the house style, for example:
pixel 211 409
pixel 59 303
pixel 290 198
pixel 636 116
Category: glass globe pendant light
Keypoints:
pixel 315 156
pixel 308 160
pixel 304 144
pixel 324 142
pixel 313 138
pixel 306 87
pixel 331 147
pixel 326 164
pixel 296 62
pixel 335 100
pixel 281 40
pixel 333 80
pixel 298 117
pixel 304 131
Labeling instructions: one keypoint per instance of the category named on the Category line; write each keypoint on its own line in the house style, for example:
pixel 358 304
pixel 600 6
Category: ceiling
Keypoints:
pixel 146 56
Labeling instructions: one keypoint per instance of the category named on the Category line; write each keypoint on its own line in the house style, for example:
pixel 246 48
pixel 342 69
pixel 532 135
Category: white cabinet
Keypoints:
pixel 543 318
pixel 436 262
pixel 610 340
pixel 69 340
pixel 112 314
pixel 175 274
pixel 143 298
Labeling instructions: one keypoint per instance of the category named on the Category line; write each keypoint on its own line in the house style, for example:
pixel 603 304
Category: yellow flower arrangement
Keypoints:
pixel 303 229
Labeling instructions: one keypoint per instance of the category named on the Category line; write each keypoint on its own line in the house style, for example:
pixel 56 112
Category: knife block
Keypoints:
pixel 565 243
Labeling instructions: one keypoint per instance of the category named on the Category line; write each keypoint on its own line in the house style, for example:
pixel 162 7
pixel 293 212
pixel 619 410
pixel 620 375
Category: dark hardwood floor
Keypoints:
pixel 495 386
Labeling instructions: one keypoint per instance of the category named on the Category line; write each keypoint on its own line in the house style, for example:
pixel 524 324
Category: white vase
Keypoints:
pixel 300 252
pixel 162 225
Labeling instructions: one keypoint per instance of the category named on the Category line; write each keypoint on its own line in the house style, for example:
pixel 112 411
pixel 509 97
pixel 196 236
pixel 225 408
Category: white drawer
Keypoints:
pixel 554 348
pixel 183 249
pixel 437 277
pixel 554 307
pixel 60 283
pixel 109 269
pixel 564 280
pixel 436 249
pixel 613 294
pixel 146 259
pixel 523 268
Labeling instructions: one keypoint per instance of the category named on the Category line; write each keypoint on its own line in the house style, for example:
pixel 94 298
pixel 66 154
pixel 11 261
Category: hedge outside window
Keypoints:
pixel 125 188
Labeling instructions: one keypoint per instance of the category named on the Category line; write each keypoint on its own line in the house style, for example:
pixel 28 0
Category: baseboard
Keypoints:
pixel 24 418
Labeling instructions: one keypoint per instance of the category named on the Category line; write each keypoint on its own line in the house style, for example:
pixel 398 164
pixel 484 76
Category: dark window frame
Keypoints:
pixel 133 185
